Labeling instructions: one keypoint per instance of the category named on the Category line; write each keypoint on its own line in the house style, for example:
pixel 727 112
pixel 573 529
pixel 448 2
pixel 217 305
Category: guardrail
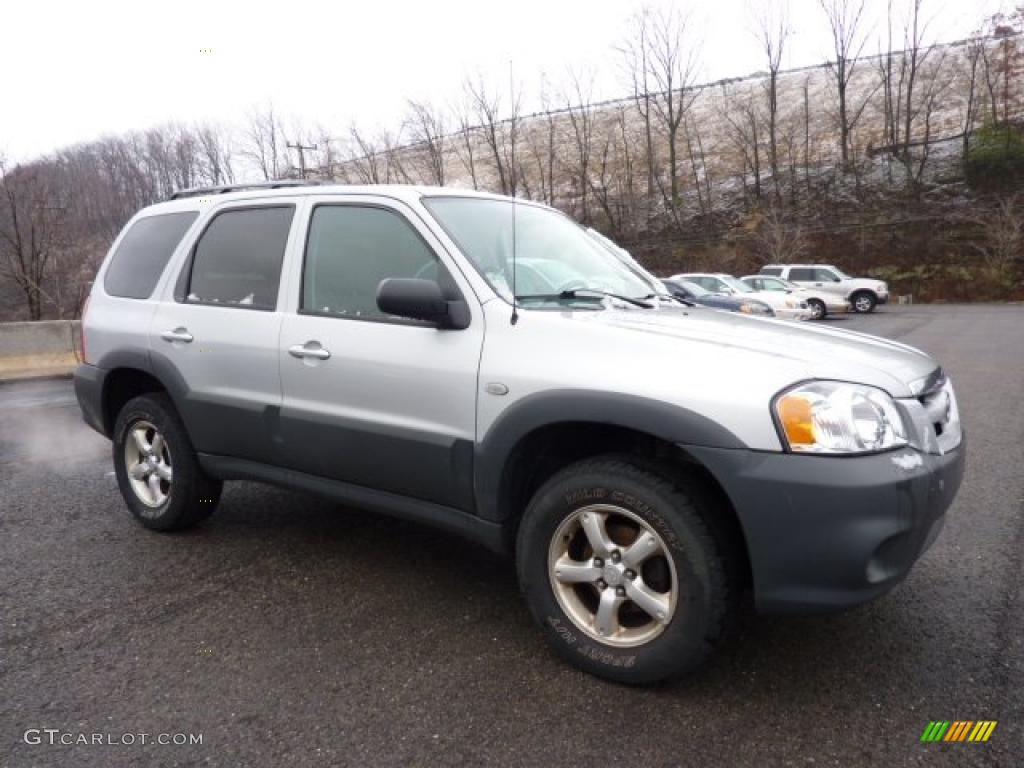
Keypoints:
pixel 43 348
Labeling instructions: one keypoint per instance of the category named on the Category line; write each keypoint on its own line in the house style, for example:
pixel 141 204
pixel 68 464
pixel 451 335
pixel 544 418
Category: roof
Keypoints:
pixel 201 197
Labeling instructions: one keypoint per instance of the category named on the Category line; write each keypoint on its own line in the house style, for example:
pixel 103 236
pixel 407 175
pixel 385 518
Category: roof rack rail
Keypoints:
pixel 273 184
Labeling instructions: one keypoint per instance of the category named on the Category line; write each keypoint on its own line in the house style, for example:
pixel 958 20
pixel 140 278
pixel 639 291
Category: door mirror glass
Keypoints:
pixel 420 299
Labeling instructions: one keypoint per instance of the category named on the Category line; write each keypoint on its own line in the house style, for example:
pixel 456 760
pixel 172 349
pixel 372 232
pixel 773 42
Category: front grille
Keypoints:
pixel 943 414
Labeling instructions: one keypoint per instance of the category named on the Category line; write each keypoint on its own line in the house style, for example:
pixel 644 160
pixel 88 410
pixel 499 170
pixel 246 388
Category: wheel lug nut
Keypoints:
pixel 616 556
pixel 601 584
pixel 620 591
pixel 630 574
pixel 598 562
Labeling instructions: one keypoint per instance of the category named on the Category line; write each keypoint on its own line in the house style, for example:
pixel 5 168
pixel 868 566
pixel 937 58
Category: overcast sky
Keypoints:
pixel 73 71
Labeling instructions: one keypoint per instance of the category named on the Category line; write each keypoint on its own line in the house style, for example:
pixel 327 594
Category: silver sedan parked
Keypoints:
pixel 821 303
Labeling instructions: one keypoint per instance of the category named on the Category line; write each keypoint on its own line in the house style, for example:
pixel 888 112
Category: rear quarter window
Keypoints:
pixel 777 271
pixel 143 253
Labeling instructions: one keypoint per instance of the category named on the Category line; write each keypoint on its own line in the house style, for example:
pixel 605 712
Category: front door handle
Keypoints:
pixel 311 349
pixel 178 334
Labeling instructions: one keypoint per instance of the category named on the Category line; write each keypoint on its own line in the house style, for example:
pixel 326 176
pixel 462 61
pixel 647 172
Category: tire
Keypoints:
pixel 634 498
pixel 864 302
pixel 182 494
pixel 819 312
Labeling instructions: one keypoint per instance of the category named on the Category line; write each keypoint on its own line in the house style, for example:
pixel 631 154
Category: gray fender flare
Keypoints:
pixel 654 417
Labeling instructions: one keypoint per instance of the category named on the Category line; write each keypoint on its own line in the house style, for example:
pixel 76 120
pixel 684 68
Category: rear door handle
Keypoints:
pixel 178 334
pixel 311 349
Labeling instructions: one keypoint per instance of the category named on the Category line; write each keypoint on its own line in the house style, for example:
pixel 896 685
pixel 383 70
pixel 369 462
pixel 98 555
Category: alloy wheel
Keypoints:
pixel 612 575
pixel 148 464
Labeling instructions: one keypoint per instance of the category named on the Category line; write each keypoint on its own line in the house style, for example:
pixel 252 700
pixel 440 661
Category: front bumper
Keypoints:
pixel 883 298
pixel 826 533
pixel 89 391
pixel 787 313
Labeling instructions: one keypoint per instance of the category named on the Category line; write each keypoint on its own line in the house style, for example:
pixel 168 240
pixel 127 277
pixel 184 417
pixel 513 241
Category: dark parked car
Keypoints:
pixel 687 291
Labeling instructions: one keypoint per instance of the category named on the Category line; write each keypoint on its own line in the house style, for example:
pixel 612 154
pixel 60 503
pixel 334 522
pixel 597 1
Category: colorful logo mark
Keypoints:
pixel 959 730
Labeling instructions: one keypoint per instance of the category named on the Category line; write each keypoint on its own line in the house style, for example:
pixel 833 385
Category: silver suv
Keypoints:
pixel 485 365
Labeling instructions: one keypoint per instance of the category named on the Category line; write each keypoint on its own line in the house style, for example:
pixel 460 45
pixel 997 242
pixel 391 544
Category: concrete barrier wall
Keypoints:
pixel 44 348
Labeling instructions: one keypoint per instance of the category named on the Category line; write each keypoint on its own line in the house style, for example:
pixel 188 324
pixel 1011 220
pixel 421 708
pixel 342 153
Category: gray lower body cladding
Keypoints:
pixel 827 533
pixel 89 390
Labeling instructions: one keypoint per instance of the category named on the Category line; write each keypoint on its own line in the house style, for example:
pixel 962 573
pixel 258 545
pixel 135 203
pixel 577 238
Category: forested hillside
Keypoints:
pixel 906 163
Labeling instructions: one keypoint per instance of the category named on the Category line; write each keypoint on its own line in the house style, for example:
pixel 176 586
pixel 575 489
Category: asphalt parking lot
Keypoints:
pixel 288 631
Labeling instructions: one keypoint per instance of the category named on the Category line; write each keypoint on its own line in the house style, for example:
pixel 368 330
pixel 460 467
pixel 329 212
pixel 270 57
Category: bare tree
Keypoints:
pixel 778 236
pixel 216 153
pixel 30 229
pixel 845 19
pixel 428 132
pixel 662 60
pixel 742 116
pixel 971 66
pixel 773 31
pixel 912 86
pixel 1001 245
pixel 500 134
pixel 541 140
pixel 264 143
pixel 466 144
pixel 374 160
pixel 581 120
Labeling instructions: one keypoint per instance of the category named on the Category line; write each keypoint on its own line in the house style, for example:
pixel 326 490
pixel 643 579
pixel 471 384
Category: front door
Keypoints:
pixel 370 399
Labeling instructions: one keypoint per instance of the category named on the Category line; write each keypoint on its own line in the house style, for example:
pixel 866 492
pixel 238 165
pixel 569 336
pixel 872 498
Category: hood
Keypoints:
pixel 811 352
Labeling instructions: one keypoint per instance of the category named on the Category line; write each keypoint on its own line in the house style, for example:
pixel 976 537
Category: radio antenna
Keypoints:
pixel 515 295
pixel 512 97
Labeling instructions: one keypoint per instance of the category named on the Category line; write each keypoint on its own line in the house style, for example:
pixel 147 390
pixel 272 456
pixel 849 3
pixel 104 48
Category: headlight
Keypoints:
pixel 756 308
pixel 833 417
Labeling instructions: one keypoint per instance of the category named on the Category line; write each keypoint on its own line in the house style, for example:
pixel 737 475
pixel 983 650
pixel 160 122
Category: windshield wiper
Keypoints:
pixel 584 293
pixel 672 297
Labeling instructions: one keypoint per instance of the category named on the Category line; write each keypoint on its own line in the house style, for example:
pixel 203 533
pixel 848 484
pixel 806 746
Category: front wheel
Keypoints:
pixel 818 310
pixel 622 571
pixel 864 302
pixel 157 469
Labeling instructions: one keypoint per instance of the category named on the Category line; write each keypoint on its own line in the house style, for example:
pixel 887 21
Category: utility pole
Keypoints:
pixel 302 157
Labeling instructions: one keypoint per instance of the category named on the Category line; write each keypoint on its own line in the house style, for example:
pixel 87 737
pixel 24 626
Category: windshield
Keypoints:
pixel 737 285
pixel 553 254
pixel 692 288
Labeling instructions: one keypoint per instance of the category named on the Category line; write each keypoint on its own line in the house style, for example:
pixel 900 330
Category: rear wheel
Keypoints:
pixel 864 302
pixel 622 571
pixel 157 469
pixel 818 310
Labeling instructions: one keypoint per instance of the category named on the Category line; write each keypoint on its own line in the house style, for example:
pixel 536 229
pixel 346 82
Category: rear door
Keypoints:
pixel 371 399
pixel 803 276
pixel 214 336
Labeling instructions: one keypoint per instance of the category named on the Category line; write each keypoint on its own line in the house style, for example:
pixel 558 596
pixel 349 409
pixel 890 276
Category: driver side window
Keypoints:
pixel 825 276
pixel 350 249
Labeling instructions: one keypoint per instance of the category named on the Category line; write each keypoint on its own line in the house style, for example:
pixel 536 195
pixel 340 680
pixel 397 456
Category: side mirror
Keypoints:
pixel 836 279
pixel 421 300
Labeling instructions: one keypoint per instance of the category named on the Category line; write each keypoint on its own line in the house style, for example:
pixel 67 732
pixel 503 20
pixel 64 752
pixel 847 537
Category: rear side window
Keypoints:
pixel 237 261
pixel 801 273
pixel 143 253
pixel 351 249
pixel 777 271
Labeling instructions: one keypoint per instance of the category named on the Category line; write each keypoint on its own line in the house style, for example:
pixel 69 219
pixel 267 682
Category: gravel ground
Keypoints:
pixel 288 631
